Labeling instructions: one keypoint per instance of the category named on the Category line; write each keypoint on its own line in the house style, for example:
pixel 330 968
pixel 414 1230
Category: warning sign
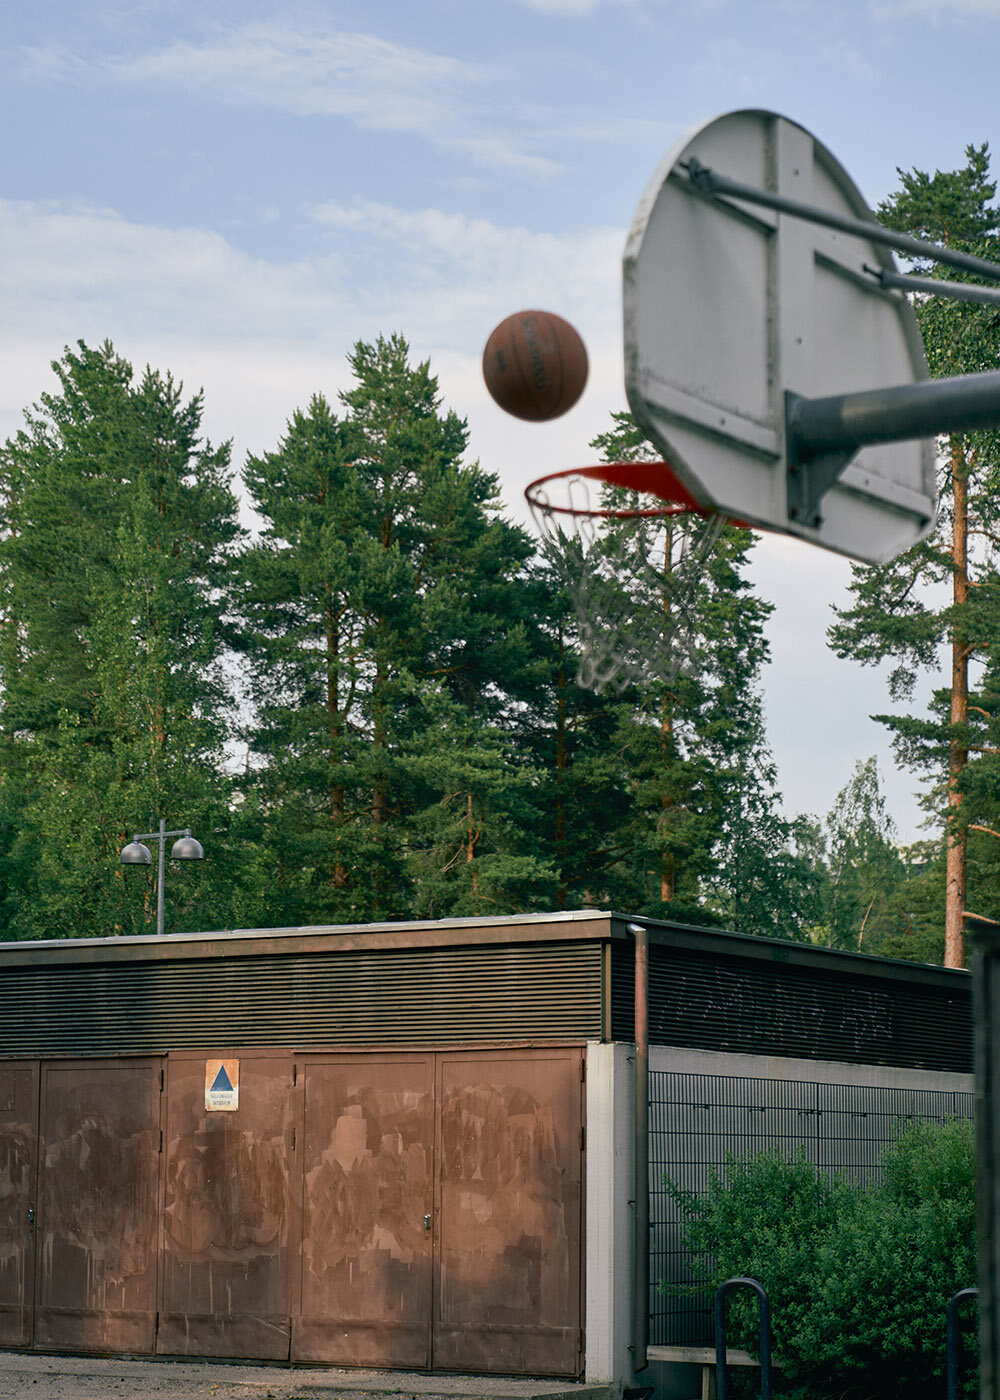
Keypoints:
pixel 222 1086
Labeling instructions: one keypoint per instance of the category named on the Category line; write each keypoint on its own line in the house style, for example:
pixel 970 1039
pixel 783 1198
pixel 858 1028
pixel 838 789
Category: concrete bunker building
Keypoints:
pixel 411 1145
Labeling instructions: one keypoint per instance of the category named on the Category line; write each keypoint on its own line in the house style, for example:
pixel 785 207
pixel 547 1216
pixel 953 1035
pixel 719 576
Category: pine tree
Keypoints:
pixel 899 611
pixel 117 522
pixel 675 783
pixel 381 608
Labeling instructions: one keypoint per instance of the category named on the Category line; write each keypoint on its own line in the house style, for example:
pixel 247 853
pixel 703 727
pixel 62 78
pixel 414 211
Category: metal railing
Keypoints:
pixel 952 1340
pixel 764 1313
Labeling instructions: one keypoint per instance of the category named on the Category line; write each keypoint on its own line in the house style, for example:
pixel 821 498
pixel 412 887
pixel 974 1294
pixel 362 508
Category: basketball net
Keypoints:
pixel 632 569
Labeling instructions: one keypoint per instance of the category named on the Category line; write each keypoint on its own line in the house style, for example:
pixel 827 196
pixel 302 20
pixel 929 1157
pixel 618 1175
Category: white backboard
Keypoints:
pixel 728 304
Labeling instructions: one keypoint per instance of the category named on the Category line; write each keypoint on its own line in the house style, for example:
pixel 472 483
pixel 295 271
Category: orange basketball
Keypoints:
pixel 535 365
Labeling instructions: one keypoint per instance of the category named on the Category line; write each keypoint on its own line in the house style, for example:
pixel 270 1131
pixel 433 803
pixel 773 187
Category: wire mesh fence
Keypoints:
pixel 696 1120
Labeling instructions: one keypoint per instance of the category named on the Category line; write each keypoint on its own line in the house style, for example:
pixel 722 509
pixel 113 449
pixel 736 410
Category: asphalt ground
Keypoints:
pixel 35 1376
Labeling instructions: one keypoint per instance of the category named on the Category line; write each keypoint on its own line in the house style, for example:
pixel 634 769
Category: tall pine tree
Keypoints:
pixel 117 524
pixel 672 783
pixel 946 590
pixel 381 606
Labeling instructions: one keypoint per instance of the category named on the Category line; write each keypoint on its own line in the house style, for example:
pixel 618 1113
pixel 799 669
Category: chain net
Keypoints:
pixel 633 575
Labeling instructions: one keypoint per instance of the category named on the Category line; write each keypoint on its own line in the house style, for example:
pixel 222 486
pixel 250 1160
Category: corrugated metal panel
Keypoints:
pixel 429 996
pixel 778 1008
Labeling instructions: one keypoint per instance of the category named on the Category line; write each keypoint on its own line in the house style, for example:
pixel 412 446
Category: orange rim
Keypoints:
pixel 647 478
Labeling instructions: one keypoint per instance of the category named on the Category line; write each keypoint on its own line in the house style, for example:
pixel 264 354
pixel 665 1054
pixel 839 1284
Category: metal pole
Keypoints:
pixel 711 183
pixel 847 422
pixel 985 966
pixel 161 875
pixel 936 287
pixel 640 1253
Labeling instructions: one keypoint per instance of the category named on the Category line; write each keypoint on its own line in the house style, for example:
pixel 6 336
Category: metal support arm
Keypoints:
pixel 935 286
pixel 822 435
pixel 709 182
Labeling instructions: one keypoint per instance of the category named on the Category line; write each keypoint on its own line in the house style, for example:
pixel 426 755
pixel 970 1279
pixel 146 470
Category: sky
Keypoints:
pixel 238 192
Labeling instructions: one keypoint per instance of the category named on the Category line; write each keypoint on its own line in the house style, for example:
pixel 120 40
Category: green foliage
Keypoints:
pixel 865 867
pixel 116 527
pixel 692 831
pixel 382 614
pixel 858 1277
pixel 946 590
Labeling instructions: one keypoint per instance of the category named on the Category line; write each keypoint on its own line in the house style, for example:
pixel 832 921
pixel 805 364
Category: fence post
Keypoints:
pixel 763 1308
pixel 951 1349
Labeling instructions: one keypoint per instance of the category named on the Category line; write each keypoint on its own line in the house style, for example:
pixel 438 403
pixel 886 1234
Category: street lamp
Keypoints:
pixel 135 853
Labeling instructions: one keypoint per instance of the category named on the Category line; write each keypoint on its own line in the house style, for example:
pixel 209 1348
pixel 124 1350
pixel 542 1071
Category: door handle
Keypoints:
pixel 31 1217
pixel 427 1222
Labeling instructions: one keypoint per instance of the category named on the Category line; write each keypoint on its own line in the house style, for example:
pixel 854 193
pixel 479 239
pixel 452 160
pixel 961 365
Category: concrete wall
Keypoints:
pixel 680 1061
pixel 608 1214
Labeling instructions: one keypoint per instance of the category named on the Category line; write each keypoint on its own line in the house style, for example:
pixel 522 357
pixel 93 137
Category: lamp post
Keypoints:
pixel 135 853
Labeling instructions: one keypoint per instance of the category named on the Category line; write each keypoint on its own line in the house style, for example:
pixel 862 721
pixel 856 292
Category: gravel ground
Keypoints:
pixel 30 1376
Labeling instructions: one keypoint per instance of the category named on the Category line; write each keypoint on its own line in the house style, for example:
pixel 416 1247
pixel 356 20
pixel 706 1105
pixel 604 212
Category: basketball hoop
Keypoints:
pixel 632 567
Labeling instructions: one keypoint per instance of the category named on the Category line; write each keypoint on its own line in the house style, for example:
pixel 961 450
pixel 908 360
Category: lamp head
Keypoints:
pixel 135 853
pixel 187 848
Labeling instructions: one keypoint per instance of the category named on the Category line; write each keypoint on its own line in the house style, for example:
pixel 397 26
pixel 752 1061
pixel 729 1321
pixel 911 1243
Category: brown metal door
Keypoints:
pixel 365 1287
pixel 18 1165
pixel 226 1210
pixel 97 1206
pixel 508 1284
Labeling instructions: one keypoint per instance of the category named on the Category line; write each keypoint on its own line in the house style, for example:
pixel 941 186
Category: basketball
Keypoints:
pixel 535 365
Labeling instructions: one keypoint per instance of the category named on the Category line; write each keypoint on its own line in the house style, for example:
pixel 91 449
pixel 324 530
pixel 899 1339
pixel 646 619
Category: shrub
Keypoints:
pixel 858 1277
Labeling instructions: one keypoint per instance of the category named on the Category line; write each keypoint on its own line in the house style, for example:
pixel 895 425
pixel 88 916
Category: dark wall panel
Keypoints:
pixel 368 1179
pixel 18 1163
pixel 432 996
pixel 773 1006
pixel 98 1188
pixel 227 1212
pixel 507 1292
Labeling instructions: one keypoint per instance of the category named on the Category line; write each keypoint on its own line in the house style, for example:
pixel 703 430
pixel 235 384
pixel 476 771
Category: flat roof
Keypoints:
pixel 576 925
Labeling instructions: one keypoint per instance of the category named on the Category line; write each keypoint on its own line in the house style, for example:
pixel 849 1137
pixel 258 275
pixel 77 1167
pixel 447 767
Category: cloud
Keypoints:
pixel 379 83
pixel 374 83
pixel 261 336
pixel 892 10
pixel 56 262
pixel 573 8
pixel 472 268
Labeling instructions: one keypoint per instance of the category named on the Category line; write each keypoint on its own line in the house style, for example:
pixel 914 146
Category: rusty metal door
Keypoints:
pixel 226 1221
pixel 507 1294
pixel 18 1166
pixel 365 1279
pixel 97 1206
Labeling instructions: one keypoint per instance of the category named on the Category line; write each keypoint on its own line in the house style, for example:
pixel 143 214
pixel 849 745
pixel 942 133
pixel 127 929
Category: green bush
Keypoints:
pixel 858 1277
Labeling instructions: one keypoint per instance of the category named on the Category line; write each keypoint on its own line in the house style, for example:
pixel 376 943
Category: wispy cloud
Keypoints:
pixel 890 10
pixel 474 269
pixel 57 263
pixel 574 8
pixel 372 82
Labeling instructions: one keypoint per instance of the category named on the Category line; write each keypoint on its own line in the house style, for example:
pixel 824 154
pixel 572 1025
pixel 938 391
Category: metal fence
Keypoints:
pixel 696 1120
